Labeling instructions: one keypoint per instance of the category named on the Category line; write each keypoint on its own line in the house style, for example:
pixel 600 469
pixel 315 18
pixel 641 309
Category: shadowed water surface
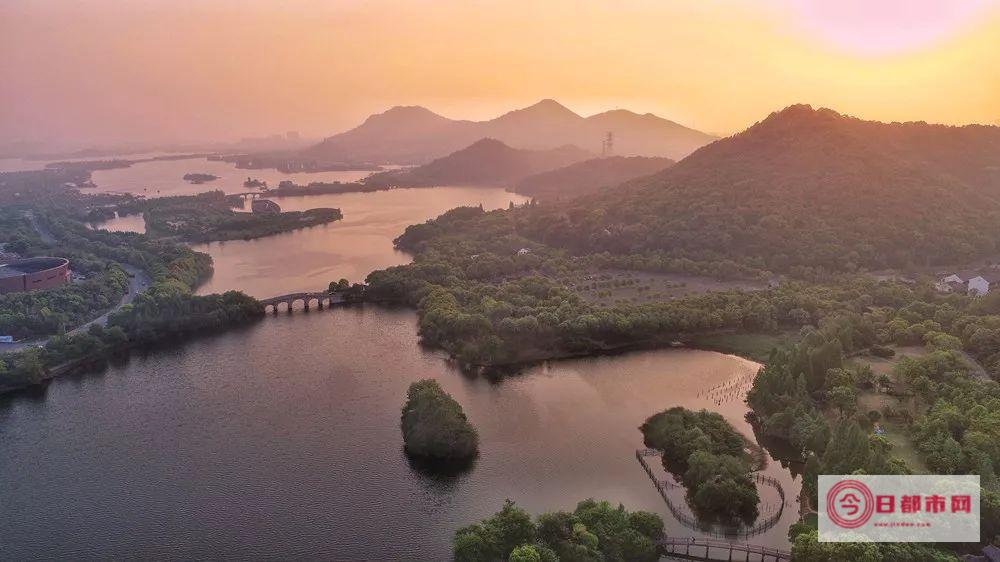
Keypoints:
pixel 190 453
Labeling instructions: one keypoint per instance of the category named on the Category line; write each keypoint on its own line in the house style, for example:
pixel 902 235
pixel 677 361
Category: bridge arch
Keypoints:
pixel 321 300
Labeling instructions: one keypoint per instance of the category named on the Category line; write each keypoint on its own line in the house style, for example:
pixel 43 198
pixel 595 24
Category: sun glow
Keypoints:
pixel 887 27
pixel 224 69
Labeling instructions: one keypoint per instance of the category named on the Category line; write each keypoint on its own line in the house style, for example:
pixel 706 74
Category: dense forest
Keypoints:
pixel 434 425
pixel 709 456
pixel 584 178
pixel 492 297
pixel 804 190
pixel 595 531
pixel 41 313
pixel 809 397
pixel 486 162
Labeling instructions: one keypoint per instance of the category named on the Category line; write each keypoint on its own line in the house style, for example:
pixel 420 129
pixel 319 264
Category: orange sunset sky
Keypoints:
pixel 110 71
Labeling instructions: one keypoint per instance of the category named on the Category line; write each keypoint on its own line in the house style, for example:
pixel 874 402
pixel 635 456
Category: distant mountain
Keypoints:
pixel 415 135
pixel 805 188
pixel 589 176
pixel 485 162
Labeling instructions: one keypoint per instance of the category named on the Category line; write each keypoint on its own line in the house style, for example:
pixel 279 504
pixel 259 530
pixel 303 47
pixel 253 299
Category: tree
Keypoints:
pixel 525 553
pixel 845 399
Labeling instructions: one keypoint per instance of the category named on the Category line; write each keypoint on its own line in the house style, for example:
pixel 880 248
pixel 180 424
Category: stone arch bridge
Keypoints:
pixel 323 298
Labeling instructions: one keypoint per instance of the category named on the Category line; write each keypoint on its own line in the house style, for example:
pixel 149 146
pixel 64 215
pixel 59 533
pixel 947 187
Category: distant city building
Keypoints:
pixel 33 273
pixel 265 207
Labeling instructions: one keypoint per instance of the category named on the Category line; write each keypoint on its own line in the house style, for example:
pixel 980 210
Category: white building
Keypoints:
pixel 950 283
pixel 978 286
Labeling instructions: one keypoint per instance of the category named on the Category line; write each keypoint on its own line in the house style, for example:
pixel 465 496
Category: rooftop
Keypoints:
pixel 30 265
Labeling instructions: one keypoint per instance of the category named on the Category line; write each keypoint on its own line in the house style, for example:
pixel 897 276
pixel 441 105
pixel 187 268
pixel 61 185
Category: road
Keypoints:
pixel 138 282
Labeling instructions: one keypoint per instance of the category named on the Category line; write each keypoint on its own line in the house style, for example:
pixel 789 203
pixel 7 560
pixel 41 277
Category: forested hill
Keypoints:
pixel 589 176
pixel 804 187
pixel 485 162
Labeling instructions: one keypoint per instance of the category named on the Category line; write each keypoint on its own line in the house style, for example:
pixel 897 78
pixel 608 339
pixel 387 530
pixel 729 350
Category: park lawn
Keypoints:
pixel 897 431
pixel 756 346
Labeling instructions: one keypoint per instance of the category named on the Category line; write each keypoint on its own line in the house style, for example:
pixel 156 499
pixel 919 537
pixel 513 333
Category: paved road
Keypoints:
pixel 43 232
pixel 138 282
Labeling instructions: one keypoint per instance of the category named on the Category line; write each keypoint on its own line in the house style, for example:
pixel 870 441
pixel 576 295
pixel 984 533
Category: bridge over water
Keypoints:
pixel 327 298
pixel 710 549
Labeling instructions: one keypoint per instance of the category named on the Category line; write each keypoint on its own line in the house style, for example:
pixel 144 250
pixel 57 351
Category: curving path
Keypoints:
pixel 138 281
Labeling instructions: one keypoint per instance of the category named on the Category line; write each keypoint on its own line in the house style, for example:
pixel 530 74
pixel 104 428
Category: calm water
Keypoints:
pixel 127 223
pixel 24 164
pixel 166 177
pixel 191 453
pixel 308 259
pixel 282 441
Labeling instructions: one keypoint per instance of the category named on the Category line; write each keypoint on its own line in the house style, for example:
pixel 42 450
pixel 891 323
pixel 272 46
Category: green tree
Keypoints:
pixel 525 553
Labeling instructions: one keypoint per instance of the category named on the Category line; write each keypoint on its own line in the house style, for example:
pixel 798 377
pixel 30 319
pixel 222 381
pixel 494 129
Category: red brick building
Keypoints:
pixel 33 273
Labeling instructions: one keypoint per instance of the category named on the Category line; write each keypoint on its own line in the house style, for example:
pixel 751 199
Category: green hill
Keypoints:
pixel 804 187
pixel 589 176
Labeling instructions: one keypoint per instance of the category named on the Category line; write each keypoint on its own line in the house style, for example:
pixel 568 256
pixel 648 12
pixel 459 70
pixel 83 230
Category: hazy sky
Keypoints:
pixel 102 70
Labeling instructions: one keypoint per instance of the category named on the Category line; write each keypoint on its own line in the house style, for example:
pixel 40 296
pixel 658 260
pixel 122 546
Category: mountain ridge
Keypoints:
pixel 806 188
pixel 487 161
pixel 417 135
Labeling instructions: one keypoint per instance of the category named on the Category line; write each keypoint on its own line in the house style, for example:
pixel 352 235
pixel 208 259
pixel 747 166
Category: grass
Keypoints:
pixel 754 346
pixel 896 431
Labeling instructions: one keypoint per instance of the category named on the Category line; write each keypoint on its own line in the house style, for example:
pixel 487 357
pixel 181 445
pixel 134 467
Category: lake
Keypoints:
pixel 161 178
pixel 351 248
pixel 282 440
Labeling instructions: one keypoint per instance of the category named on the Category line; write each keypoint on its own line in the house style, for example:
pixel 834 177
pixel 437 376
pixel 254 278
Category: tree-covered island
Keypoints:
pixel 199 178
pixel 711 458
pixel 435 427
pixel 210 216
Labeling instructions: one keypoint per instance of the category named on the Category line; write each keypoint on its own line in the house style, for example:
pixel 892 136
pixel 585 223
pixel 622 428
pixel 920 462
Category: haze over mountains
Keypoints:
pixel 589 176
pixel 485 162
pixel 415 135
pixel 806 187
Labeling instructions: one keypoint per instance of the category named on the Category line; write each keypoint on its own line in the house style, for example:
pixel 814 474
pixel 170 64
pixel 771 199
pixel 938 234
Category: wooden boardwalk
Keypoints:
pixel 709 549
pixel 683 515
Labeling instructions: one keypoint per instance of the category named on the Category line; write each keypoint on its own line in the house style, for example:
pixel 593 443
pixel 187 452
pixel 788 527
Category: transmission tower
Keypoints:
pixel 608 145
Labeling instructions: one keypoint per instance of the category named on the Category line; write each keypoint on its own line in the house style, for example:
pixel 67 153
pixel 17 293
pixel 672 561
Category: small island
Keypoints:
pixel 710 457
pixel 200 178
pixel 435 427
pixel 209 217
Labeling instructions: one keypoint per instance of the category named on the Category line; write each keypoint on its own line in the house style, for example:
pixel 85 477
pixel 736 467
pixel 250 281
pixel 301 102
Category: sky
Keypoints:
pixel 107 71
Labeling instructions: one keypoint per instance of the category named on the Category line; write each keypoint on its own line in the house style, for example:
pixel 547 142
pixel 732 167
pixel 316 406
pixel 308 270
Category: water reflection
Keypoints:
pixel 308 259
pixel 161 178
pixel 291 428
pixel 126 223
